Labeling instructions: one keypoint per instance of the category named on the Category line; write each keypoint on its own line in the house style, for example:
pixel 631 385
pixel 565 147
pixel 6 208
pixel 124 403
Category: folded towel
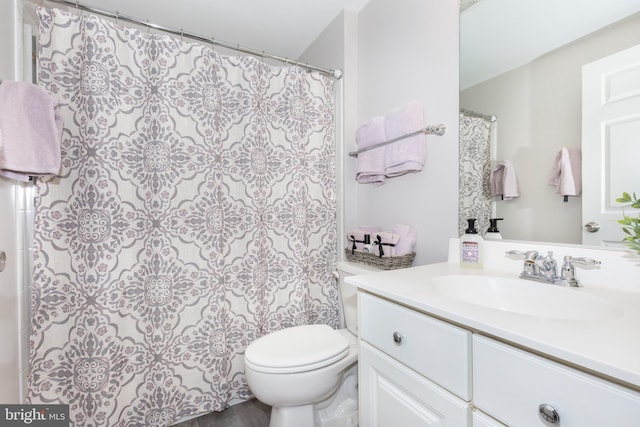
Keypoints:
pixel 503 181
pixel 370 164
pixel 407 237
pixel 384 243
pixel 566 173
pixel 369 228
pixel 408 154
pixel 30 131
pixel 359 240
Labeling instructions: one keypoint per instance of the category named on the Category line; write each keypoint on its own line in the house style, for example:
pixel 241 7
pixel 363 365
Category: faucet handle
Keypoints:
pixel 568 274
pixel 583 260
pixel 516 254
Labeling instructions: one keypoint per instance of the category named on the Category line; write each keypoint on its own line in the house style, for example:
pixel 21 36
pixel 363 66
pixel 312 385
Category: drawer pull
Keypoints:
pixel 397 338
pixel 548 414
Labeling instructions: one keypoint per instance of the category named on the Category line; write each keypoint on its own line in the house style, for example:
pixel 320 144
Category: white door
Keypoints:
pixel 392 395
pixel 610 143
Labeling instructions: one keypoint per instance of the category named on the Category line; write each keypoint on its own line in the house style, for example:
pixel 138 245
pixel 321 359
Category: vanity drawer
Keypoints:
pixel 434 349
pixel 510 384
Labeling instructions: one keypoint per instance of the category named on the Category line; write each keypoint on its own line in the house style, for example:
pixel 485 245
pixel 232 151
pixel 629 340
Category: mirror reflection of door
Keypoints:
pixel 610 143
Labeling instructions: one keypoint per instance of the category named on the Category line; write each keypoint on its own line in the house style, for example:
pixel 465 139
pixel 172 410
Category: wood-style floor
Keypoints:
pixel 252 413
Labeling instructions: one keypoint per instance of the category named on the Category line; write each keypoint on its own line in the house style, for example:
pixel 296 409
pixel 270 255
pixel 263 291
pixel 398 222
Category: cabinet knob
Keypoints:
pixel 548 414
pixel 397 338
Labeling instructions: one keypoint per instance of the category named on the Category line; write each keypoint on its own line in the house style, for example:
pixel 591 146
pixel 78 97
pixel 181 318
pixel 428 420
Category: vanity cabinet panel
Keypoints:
pixel 392 395
pixel 510 384
pixel 435 349
pixel 480 419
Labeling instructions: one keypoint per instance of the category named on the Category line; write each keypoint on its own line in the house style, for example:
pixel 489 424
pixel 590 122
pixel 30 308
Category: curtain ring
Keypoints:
pixel 148 29
pixel 181 35
pixel 77 5
pixel 117 18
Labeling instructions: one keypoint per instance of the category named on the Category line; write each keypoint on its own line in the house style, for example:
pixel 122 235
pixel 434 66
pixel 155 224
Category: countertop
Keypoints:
pixel 608 347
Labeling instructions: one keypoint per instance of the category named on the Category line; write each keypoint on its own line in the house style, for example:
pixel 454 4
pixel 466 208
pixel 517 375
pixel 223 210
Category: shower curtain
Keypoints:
pixel 475 168
pixel 194 212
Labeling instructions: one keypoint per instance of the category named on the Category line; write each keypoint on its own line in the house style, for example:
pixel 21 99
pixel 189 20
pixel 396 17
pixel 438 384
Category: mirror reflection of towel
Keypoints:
pixel 566 173
pixel 503 181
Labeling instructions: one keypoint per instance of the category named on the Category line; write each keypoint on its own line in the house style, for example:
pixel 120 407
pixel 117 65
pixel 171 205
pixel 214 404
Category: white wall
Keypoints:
pixel 408 50
pixel 392 53
pixel 539 110
pixel 13 328
pixel 336 48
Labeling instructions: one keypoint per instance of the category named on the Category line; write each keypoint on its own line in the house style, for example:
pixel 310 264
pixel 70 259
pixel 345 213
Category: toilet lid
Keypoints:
pixel 296 349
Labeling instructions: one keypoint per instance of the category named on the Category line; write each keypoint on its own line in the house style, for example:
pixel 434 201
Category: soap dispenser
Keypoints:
pixel 492 232
pixel 471 246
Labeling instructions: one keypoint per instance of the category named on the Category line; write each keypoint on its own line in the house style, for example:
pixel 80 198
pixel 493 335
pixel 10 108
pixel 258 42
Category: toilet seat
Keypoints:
pixel 296 349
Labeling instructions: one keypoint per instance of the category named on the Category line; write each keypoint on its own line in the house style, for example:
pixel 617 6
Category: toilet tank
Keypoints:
pixel 348 292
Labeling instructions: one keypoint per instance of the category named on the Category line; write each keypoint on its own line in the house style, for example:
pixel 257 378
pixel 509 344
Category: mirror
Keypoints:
pixel 522 62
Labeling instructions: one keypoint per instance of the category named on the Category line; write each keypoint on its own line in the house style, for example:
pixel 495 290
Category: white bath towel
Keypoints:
pixel 384 242
pixel 408 154
pixel 407 239
pixel 503 181
pixel 356 238
pixel 30 131
pixel 566 172
pixel 369 228
pixel 370 163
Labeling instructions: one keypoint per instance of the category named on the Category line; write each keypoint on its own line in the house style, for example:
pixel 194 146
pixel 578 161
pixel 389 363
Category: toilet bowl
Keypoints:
pixel 308 373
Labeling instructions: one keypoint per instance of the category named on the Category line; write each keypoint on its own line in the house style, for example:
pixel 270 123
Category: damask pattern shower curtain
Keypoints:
pixel 194 212
pixel 475 168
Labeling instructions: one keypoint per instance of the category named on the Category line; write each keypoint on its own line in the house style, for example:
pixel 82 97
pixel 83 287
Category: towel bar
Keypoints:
pixel 434 130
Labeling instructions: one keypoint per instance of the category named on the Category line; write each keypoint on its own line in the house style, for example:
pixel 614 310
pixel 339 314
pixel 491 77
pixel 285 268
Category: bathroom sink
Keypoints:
pixel 526 298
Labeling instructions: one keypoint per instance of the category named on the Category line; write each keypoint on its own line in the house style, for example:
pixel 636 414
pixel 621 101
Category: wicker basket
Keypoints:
pixel 383 263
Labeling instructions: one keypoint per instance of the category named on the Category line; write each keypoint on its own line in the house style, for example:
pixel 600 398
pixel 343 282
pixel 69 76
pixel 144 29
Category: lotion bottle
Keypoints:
pixel 471 246
pixel 492 232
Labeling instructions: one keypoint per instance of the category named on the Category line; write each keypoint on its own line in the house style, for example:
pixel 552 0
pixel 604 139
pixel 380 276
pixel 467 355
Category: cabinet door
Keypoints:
pixel 519 389
pixel 435 349
pixel 481 419
pixel 392 395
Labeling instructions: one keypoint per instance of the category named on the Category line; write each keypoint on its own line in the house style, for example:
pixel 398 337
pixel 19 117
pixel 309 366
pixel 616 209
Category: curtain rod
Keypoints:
pixel 337 73
pixel 482 116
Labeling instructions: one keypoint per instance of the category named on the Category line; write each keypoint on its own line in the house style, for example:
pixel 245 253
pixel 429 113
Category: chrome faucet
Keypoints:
pixel 568 271
pixel 545 268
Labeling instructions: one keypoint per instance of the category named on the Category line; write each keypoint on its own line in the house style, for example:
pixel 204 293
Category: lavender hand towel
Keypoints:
pixel 407 237
pixel 30 131
pixel 370 164
pixel 355 240
pixel 566 173
pixel 503 181
pixel 384 242
pixel 408 154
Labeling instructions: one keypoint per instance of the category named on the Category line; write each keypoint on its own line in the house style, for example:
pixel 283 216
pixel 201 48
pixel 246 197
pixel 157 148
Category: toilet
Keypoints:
pixel 308 374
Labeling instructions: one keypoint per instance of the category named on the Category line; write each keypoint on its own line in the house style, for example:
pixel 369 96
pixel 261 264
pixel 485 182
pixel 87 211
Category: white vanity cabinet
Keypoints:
pixel 414 370
pixel 480 419
pixel 513 386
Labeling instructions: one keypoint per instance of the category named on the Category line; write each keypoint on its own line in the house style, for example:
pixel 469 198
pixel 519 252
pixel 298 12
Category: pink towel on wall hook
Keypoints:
pixel 566 173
